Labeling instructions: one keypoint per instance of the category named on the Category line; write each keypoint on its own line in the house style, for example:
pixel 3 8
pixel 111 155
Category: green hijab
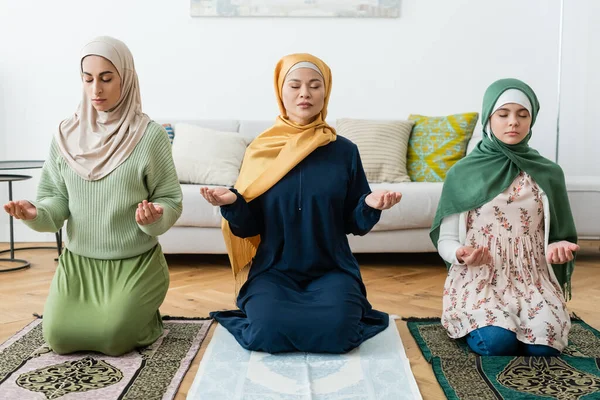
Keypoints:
pixel 492 167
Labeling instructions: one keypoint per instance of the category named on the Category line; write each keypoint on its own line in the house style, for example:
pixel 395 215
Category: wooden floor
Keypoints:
pixel 402 284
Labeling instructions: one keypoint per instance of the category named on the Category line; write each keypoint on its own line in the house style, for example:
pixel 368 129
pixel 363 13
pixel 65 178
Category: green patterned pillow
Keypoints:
pixel 437 143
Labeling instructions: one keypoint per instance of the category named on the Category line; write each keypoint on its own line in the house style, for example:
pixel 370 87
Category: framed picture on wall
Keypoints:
pixel 296 8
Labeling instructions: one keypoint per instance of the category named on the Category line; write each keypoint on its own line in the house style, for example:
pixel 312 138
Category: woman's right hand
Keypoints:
pixel 473 257
pixel 21 209
pixel 218 196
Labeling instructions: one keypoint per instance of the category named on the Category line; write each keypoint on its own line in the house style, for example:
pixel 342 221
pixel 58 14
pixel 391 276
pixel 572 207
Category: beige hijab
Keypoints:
pixel 95 143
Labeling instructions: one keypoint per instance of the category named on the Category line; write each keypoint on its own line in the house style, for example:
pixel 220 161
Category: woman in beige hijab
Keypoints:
pixel 110 175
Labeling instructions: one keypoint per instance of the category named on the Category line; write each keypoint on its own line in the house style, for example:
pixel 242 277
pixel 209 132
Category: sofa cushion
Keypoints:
pixel 416 209
pixel 584 195
pixel 382 146
pixel 252 128
pixel 227 125
pixel 196 210
pixel 207 156
pixel 437 143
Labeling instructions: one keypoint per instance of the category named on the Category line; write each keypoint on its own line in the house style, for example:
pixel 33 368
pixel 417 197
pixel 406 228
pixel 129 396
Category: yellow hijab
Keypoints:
pixel 273 154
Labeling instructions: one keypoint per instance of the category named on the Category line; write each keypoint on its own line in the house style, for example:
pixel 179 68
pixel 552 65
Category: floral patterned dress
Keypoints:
pixel 518 291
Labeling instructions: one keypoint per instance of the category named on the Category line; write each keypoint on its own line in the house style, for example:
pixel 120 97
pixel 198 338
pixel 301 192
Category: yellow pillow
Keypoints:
pixel 437 143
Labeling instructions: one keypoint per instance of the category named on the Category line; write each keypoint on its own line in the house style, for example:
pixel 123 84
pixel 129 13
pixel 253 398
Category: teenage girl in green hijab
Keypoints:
pixel 505 229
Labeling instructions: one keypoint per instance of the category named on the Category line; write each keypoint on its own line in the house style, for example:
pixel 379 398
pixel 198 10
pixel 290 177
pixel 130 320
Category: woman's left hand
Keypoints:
pixel 383 199
pixel 560 252
pixel 148 213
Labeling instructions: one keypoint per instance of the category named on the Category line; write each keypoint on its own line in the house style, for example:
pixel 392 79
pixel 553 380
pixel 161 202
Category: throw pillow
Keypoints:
pixel 437 143
pixel 382 146
pixel 206 156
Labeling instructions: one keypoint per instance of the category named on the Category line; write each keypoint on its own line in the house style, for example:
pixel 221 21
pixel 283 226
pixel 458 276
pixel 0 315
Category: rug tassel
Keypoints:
pixel 417 319
pixel 170 317
pixel 575 317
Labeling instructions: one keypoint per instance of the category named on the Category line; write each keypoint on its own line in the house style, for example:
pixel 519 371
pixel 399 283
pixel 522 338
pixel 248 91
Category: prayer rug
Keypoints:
pixel 29 370
pixel 378 369
pixel 465 375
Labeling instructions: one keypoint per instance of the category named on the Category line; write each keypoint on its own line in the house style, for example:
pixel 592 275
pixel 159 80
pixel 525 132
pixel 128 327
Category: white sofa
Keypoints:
pixel 403 228
pixel 584 197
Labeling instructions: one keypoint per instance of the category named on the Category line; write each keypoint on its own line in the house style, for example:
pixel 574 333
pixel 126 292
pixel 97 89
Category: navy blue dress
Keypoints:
pixel 304 290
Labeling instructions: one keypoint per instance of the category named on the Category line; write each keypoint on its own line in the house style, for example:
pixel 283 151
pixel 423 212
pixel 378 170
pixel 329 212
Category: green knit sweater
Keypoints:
pixel 101 214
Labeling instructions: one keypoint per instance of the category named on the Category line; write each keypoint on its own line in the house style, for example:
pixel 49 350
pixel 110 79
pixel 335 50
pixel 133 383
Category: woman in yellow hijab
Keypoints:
pixel 301 190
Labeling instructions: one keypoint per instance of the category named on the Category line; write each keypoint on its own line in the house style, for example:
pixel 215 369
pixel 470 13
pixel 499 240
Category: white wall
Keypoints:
pixel 436 59
pixel 579 150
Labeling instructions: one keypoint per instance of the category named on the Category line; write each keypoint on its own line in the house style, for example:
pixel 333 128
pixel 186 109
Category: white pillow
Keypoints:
pixel 206 156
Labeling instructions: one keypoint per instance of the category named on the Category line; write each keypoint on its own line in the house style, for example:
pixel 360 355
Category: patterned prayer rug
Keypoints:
pixel 29 370
pixel 377 370
pixel 465 375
